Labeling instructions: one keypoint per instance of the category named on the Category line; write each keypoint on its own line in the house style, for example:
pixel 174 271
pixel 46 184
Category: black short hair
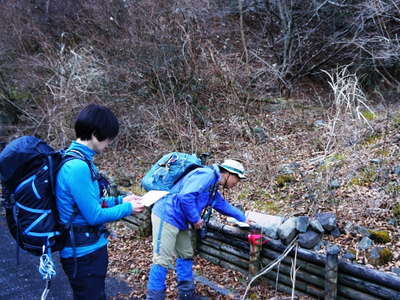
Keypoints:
pixel 96 120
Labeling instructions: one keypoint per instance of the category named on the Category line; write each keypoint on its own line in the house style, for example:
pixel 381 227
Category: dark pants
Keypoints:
pixel 89 282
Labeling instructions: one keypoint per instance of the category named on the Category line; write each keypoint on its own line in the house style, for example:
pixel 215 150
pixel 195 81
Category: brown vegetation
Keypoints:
pixel 299 89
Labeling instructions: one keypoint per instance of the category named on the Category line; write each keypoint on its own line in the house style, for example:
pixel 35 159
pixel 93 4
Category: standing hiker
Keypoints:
pixel 81 203
pixel 171 217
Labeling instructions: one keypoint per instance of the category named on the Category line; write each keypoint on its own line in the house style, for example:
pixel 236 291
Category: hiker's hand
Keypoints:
pixel 138 207
pixel 250 221
pixel 198 224
pixel 130 198
pixel 136 203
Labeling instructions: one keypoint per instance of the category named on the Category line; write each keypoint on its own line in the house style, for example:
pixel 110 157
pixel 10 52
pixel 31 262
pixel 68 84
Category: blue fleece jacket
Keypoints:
pixel 189 196
pixel 76 188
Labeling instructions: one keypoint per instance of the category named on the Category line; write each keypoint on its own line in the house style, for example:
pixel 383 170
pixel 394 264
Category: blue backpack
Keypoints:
pixel 28 169
pixel 169 169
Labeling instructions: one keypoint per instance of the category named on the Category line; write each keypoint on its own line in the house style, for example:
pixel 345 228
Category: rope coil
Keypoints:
pixel 46 267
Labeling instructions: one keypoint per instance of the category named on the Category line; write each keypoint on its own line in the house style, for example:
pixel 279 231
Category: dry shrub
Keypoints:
pixel 175 71
pixel 349 121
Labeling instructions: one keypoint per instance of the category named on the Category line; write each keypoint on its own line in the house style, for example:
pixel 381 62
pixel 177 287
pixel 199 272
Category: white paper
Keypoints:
pixel 238 223
pixel 152 197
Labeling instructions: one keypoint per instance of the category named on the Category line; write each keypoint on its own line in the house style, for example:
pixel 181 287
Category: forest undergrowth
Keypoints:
pixel 304 93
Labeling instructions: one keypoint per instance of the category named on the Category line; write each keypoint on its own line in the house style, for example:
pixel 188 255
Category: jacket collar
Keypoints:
pixel 85 150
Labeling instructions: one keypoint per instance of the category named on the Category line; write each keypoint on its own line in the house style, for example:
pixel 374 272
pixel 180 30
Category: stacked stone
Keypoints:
pixel 309 230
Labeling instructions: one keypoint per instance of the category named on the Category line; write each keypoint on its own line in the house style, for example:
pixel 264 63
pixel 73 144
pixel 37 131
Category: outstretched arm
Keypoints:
pixel 223 207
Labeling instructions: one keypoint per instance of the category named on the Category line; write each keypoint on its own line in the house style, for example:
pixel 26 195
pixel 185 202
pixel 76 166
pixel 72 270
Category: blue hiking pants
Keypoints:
pixel 89 282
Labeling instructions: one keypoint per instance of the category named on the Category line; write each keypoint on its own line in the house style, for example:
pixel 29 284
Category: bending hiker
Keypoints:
pixel 172 215
pixel 80 202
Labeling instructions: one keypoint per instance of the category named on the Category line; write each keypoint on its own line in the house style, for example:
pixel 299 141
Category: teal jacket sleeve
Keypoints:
pixel 223 207
pixel 76 177
pixel 189 195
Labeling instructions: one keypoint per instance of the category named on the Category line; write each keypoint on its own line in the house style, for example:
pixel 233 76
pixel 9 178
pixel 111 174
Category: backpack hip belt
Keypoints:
pixel 84 235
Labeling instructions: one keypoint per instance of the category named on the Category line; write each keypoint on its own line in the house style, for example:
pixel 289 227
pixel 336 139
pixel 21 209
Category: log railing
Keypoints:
pixel 318 276
pixel 140 222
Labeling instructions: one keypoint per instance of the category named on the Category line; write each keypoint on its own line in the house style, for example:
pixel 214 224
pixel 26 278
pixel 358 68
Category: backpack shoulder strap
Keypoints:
pixel 213 190
pixel 76 154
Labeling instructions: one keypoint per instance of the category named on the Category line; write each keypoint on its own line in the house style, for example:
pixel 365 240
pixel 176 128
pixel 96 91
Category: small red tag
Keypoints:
pixel 256 239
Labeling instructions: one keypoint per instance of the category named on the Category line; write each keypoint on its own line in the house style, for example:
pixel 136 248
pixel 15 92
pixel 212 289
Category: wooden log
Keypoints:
pixel 301 253
pixel 276 245
pixel 222 263
pixel 144 216
pixel 132 226
pixel 133 220
pixel 225 247
pixel 229 230
pixel 377 277
pixel 231 265
pixel 284 288
pixel 331 268
pixel 367 287
pixel 288 289
pixel 226 232
pixel 305 265
pixel 368 281
pixel 358 271
pixel 244 245
pixel 345 291
pixel 302 275
pixel 343 279
pixel 281 286
pixel 351 281
pixel 310 278
pixel 302 286
pixel 233 259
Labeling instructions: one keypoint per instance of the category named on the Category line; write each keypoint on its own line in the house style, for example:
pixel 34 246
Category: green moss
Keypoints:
pixel 253 296
pixel 385 256
pixel 382 152
pixel 19 95
pixel 393 188
pixel 396 211
pixel 396 120
pixel 282 180
pixel 261 199
pixel 368 115
pixel 365 178
pixel 267 206
pixel 244 194
pixel 372 139
pixel 335 159
pixel 380 236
